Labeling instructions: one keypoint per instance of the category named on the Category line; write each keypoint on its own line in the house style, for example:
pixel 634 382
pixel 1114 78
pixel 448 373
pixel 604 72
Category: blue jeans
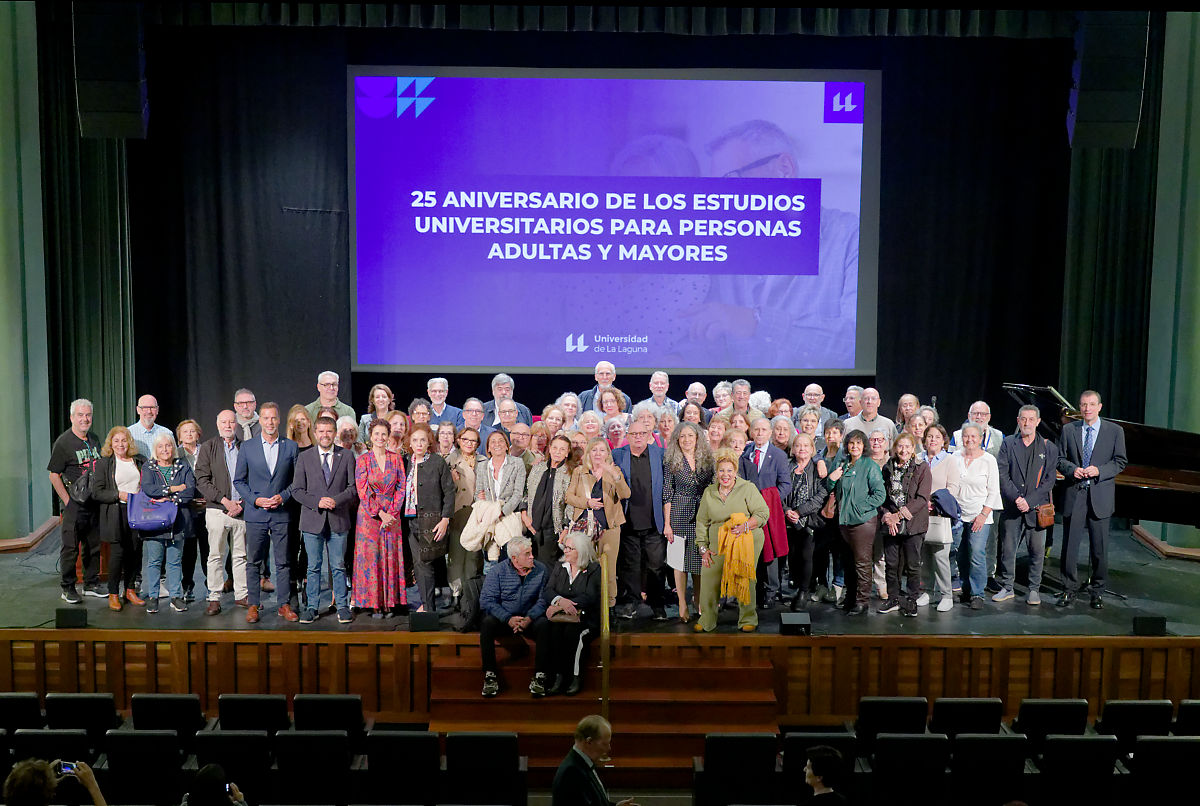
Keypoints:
pixel 955 577
pixel 314 546
pixel 155 552
pixel 976 559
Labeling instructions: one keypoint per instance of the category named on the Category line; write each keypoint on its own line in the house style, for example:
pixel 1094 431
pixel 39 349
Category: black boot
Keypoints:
pixel 574 686
pixel 800 602
pixel 558 686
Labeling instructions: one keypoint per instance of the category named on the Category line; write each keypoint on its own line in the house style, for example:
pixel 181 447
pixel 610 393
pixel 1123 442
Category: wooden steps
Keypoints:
pixel 661 710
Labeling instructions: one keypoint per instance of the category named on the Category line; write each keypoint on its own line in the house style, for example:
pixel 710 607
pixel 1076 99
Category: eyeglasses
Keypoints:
pixel 468 440
pixel 244 402
pixel 639 433
pixel 751 166
pixel 147 408
pixel 329 384
pixel 472 411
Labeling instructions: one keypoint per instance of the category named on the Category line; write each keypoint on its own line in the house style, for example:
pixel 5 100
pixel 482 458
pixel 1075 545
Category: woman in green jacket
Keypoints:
pixel 857 485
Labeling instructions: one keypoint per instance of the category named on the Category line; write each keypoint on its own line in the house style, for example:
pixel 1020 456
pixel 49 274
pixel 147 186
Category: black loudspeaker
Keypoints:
pixel 110 70
pixel 423 622
pixel 1149 625
pixel 69 617
pixel 795 624
pixel 1107 78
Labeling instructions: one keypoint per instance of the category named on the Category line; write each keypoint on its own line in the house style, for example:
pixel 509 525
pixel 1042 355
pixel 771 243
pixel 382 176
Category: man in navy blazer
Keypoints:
pixel 263 479
pixel 1091 454
pixel 643 547
pixel 766 466
pixel 324 488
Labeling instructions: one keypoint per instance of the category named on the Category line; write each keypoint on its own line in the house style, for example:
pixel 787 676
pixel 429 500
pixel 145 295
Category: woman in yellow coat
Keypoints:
pixel 729 536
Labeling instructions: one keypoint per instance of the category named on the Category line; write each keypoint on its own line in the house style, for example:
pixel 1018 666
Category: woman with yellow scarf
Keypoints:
pixel 729 536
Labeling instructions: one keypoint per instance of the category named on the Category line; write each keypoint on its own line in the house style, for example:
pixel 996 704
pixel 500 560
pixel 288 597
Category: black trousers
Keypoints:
pixel 1076 522
pixel 124 558
pixel 640 549
pixel 801 543
pixel 562 646
pixel 545 546
pixel 902 554
pixel 418 530
pixel 79 531
pixel 860 541
pixel 491 628
pixel 195 546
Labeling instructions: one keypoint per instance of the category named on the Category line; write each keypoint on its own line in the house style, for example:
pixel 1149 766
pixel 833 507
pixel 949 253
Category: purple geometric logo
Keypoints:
pixel 415 86
pixel 844 101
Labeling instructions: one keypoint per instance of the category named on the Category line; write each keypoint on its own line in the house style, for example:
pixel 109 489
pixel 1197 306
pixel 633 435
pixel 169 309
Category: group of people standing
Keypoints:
pixel 732 501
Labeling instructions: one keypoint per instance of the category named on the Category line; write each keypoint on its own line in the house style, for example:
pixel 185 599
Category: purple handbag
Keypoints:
pixel 145 515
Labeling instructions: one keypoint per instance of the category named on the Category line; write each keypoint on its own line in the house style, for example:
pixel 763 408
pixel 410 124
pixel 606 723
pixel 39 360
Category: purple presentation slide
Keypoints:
pixel 530 222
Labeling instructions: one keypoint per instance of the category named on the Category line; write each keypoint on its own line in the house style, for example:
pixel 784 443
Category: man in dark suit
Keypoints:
pixel 766 465
pixel 577 782
pixel 1027 465
pixel 324 488
pixel 643 552
pixel 1091 454
pixel 263 478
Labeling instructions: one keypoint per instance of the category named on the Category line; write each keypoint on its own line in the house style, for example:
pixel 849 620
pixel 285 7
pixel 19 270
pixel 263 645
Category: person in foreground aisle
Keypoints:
pixel 1091 455
pixel 263 478
pixel 76 451
pixel 167 478
pixel 324 488
pixel 858 491
pixel 1027 466
pixel 378 552
pixel 766 466
pixel 210 787
pixel 824 768
pixel 643 552
pixel 571 601
pixel 730 517
pixel 511 602
pixel 905 516
pixel 118 473
pixel 978 498
pixel 577 782
pixel 328 383
pixel 216 464
pixel 596 493
pixel 33 782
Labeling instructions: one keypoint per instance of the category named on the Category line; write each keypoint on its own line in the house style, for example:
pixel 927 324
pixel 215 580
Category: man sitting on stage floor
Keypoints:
pixel 510 602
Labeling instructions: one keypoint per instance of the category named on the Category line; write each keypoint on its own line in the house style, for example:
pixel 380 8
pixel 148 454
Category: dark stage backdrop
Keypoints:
pixel 240 226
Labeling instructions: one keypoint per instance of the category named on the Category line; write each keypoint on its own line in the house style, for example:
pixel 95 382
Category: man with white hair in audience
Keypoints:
pixel 814 395
pixel 659 382
pixel 605 375
pixel 328 383
pixel 870 419
pixel 439 410
pixel 502 389
pixel 980 413
pixel 852 400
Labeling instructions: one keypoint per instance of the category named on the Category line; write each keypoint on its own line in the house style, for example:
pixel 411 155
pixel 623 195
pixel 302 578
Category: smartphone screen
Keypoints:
pixel 67 767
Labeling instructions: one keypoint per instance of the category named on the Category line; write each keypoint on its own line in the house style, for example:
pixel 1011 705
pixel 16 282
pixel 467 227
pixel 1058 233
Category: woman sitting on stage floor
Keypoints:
pixel 116 475
pixel 730 518
pixel 572 620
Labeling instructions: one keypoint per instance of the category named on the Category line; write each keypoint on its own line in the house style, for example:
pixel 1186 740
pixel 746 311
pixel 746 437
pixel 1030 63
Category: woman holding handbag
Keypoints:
pixel 168 479
pixel 428 506
pixel 598 487
pixel 802 511
pixel 116 476
pixel 572 602
pixel 905 518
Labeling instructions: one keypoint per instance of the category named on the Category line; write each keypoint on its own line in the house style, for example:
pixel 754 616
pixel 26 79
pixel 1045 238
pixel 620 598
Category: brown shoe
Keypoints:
pixel 132 597
pixel 268 586
pixel 114 602
pixel 288 614
pixel 243 602
pixel 252 614
pixel 212 609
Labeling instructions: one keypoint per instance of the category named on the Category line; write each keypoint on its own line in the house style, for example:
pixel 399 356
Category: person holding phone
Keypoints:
pixel 33 782
pixel 210 787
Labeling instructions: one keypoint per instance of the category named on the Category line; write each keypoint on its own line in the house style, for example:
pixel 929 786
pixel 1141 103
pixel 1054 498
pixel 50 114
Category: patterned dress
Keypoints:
pixel 378 552
pixel 682 491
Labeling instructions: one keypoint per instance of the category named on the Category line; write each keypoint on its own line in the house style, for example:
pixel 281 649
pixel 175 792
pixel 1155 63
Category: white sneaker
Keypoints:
pixel 923 600
pixel 946 604
pixel 840 592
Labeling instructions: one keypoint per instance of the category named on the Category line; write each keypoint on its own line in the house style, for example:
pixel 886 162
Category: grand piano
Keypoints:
pixel 1161 481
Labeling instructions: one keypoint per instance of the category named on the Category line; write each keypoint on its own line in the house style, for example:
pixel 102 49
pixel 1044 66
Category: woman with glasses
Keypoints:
pixel 572 600
pixel 461 564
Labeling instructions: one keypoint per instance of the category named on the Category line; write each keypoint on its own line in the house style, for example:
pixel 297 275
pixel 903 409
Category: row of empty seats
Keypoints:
pixel 324 752
pixel 898 751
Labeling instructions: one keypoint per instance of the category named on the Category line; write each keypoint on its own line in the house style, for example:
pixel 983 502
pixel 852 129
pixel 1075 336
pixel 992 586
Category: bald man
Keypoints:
pixel 147 429
pixel 869 418
pixel 814 395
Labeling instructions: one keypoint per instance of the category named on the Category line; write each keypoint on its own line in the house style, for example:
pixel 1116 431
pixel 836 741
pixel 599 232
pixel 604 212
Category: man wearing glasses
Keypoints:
pixel 147 429
pixel 245 409
pixel 643 552
pixel 327 396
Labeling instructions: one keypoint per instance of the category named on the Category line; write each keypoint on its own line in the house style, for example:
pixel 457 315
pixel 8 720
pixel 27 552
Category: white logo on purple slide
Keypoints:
pixel 844 101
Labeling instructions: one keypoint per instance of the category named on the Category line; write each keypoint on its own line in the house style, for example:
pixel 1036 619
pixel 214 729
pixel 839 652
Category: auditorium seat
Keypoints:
pixel 67 744
pixel 410 756
pixel 908 769
pixel 332 712
pixel 484 768
pixel 955 715
pixel 888 715
pixel 1187 720
pixel 20 709
pixel 1038 718
pixel 5 754
pixel 731 762
pixel 244 754
pixel 997 758
pixel 1079 769
pixel 1164 766
pixel 144 767
pixel 314 767
pixel 94 713
pixel 267 712
pixel 1129 719
pixel 178 712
